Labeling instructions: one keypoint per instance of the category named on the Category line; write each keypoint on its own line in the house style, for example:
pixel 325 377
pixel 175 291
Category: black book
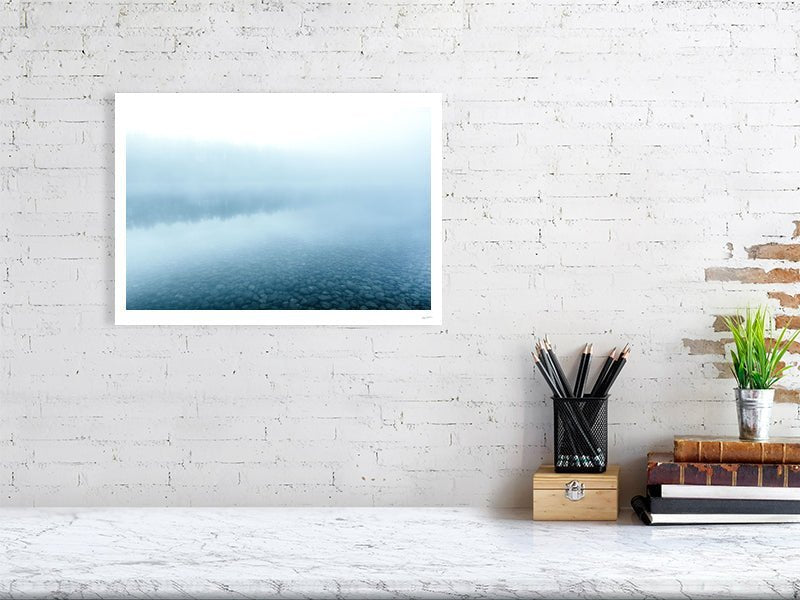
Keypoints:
pixel 714 506
pixel 642 505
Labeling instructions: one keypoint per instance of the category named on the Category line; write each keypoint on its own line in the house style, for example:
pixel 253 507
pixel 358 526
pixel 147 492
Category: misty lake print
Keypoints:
pixel 251 202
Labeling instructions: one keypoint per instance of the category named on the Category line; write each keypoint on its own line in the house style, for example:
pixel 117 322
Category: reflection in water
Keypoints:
pixel 219 226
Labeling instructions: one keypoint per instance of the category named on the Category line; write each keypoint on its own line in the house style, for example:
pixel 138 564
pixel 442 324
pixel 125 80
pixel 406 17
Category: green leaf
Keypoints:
pixel 752 363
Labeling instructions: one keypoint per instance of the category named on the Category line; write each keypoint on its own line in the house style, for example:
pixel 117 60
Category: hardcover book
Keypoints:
pixel 733 450
pixel 723 492
pixel 641 506
pixel 662 468
pixel 712 506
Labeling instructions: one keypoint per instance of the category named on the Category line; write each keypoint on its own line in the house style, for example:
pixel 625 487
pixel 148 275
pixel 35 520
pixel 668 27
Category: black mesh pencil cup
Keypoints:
pixel 581 434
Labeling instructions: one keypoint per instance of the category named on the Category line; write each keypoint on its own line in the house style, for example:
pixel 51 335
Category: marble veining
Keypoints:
pixel 382 553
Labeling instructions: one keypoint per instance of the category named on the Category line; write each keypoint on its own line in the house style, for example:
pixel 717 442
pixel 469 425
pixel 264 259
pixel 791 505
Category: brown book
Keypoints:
pixel 778 451
pixel 663 469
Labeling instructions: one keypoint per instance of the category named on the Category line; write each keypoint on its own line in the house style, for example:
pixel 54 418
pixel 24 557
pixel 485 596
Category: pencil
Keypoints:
pixel 605 385
pixel 545 366
pixel 575 416
pixel 575 435
pixel 583 369
pixel 598 383
pixel 545 374
pixel 612 376
pixel 547 359
pixel 559 371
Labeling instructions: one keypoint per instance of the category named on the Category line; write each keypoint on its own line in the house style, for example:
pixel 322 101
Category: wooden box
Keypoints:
pixel 575 496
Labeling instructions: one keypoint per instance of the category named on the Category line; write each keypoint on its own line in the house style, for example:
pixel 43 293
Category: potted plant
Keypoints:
pixel 756 364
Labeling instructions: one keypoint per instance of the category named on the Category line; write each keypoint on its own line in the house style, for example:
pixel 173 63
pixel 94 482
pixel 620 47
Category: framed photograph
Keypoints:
pixel 278 209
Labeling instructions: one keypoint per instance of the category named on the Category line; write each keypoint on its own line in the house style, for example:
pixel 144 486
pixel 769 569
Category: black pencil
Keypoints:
pixel 582 431
pixel 564 460
pixel 559 371
pixel 598 383
pixel 572 434
pixel 545 374
pixel 576 429
pixel 545 367
pixel 547 360
pixel 579 372
pixel 604 386
pixel 577 446
pixel 539 354
pixel 614 373
pixel 583 369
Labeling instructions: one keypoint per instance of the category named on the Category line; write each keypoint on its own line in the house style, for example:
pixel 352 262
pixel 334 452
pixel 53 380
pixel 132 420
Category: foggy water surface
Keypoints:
pixel 225 226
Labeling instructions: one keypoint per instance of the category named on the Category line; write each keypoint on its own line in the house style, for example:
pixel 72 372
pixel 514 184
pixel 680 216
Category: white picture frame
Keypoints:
pixel 156 109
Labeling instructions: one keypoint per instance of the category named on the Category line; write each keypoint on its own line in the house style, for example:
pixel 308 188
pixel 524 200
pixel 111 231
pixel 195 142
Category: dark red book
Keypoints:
pixel 662 469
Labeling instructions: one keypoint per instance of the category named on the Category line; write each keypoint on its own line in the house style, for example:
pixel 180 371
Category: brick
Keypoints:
pixel 722 370
pixel 794 347
pixel 786 300
pixel 431 17
pixel 788 321
pixel 783 395
pixel 408 42
pixel 71 15
pixel 753 275
pixel 763 37
pixel 350 15
pixel 773 251
pixel 710 347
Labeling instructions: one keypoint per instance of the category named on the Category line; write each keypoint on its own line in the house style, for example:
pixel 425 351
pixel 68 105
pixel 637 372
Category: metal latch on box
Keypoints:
pixel 573 490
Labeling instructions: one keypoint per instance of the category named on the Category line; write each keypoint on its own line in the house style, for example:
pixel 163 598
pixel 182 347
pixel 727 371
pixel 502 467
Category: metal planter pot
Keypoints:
pixel 754 409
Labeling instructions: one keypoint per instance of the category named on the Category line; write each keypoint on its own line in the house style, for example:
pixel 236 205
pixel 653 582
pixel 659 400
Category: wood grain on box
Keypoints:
pixel 599 501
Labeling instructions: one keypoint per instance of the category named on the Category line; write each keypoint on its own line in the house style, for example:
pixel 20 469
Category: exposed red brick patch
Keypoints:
pixel 790 321
pixel 753 275
pixel 719 322
pixel 775 251
pixel 713 347
pixel 723 370
pixel 782 395
pixel 794 347
pixel 771 278
pixel 787 300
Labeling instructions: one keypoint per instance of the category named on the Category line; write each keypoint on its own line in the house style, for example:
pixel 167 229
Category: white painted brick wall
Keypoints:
pixel 598 157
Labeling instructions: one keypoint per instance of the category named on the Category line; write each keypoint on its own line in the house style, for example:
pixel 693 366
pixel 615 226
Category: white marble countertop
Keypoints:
pixel 382 553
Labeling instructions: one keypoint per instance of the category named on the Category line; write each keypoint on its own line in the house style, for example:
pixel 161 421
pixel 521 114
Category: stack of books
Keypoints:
pixel 722 480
